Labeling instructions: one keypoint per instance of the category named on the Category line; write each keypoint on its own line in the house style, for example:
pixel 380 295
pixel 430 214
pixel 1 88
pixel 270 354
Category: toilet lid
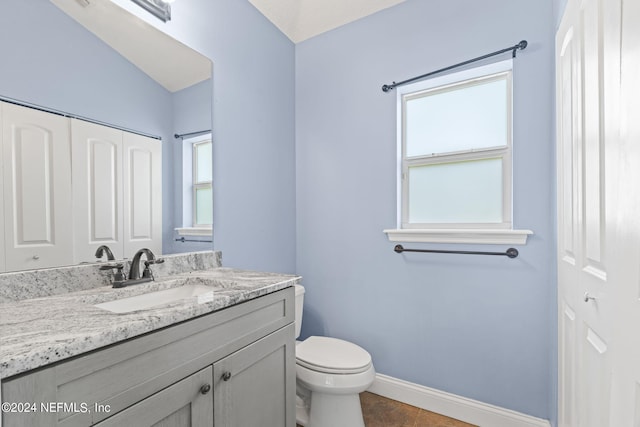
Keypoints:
pixel 332 355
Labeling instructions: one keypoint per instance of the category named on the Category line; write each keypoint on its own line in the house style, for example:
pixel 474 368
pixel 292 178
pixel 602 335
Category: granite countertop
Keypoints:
pixel 38 331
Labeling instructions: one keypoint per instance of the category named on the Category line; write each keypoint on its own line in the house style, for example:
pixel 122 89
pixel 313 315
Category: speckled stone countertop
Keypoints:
pixel 38 331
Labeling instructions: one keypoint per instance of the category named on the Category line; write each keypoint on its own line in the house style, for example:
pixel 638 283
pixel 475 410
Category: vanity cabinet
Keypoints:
pixel 244 353
pixel 36 165
pixel 117 191
pixel 187 403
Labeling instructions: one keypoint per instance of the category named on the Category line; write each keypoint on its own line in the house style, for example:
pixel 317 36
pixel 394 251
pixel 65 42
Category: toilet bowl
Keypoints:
pixel 330 374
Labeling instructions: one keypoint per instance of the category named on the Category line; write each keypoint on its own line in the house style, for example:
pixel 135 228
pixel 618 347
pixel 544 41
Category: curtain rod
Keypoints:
pixel 182 239
pixel 520 46
pixel 74 116
pixel 190 134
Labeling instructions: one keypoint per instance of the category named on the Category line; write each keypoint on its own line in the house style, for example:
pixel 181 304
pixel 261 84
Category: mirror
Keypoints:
pixel 95 60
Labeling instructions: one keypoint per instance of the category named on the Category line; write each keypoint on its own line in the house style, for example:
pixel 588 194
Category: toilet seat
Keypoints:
pixel 332 355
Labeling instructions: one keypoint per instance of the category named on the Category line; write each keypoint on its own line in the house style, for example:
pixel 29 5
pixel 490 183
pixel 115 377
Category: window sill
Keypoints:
pixel 195 231
pixel 483 236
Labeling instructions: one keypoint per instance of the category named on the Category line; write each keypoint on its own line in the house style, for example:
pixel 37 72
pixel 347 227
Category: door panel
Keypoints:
pixel 184 404
pixel 626 373
pixel 606 238
pixel 37 189
pixel 142 194
pixel 255 387
pixel 97 187
pixel 567 383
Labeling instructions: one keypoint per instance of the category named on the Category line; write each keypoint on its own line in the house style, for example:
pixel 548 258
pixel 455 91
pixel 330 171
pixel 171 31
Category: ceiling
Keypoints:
pixel 303 19
pixel 140 43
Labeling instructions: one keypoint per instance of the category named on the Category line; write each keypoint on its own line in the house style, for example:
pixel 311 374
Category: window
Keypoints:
pixel 202 194
pixel 454 155
pixel 197 193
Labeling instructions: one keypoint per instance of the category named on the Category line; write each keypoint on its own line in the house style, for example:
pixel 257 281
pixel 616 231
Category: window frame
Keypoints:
pixel 198 185
pixel 468 78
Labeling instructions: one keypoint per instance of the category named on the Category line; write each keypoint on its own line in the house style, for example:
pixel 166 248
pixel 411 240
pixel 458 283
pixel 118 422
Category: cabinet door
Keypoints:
pixel 96 153
pixel 37 189
pixel 187 403
pixel 142 194
pixel 255 386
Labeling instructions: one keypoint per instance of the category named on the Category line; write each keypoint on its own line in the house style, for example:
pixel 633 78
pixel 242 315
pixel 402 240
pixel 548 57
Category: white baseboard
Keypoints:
pixel 451 405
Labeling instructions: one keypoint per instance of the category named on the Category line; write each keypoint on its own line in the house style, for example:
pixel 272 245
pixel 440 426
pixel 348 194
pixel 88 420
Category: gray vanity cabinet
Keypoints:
pixel 252 385
pixel 244 353
pixel 187 403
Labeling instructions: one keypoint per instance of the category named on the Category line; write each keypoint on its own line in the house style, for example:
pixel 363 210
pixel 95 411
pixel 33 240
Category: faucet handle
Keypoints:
pixel 147 273
pixel 118 266
pixel 118 275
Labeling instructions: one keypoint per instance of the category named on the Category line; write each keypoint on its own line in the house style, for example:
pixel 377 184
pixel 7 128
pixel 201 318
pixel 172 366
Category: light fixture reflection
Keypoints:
pixel 159 8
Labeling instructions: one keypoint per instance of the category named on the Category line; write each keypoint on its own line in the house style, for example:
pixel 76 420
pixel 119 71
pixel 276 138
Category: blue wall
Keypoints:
pixel 253 127
pixel 479 327
pixel 558 10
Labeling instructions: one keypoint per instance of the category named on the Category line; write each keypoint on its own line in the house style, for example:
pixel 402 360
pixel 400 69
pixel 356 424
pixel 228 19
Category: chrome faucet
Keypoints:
pixel 104 249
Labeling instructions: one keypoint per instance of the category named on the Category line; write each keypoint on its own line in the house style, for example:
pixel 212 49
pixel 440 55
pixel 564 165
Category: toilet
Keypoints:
pixel 330 375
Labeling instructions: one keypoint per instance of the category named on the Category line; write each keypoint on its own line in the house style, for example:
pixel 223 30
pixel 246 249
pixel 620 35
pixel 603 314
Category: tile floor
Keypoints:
pixel 379 411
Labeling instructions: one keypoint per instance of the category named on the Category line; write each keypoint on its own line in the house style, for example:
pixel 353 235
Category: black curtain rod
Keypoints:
pixel 182 239
pixel 511 252
pixel 521 46
pixel 183 135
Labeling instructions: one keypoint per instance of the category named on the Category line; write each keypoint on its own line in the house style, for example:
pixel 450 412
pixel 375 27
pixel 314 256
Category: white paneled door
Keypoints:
pixel 625 408
pixel 597 51
pixel 142 194
pixel 37 188
pixel 97 189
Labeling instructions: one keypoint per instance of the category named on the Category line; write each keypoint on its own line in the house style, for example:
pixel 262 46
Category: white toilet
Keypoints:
pixel 330 373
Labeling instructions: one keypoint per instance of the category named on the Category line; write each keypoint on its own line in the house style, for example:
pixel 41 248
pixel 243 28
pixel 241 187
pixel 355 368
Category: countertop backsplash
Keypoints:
pixel 21 285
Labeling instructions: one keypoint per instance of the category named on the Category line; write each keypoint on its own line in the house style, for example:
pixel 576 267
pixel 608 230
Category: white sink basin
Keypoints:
pixel 152 299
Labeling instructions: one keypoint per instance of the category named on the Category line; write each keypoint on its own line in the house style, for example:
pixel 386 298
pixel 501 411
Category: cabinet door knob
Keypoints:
pixel 205 389
pixel 226 376
pixel 588 297
pixel 36 257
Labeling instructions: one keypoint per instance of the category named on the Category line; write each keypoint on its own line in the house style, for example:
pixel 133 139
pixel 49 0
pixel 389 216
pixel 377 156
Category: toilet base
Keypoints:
pixel 331 410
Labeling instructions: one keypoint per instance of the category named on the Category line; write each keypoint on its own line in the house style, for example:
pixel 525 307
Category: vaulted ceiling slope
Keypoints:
pixel 143 45
pixel 302 19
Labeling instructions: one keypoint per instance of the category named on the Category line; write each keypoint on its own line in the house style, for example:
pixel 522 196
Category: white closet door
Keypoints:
pixel 142 194
pixel 586 238
pixel 97 189
pixel 599 214
pixel 37 189
pixel 626 372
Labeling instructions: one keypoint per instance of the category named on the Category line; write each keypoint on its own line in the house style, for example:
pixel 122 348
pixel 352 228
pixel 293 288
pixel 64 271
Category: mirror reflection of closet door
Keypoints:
pixel 142 193
pixel 37 189
pixel 97 189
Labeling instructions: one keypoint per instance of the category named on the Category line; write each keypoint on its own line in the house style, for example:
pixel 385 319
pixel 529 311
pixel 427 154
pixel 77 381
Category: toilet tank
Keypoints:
pixel 299 303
